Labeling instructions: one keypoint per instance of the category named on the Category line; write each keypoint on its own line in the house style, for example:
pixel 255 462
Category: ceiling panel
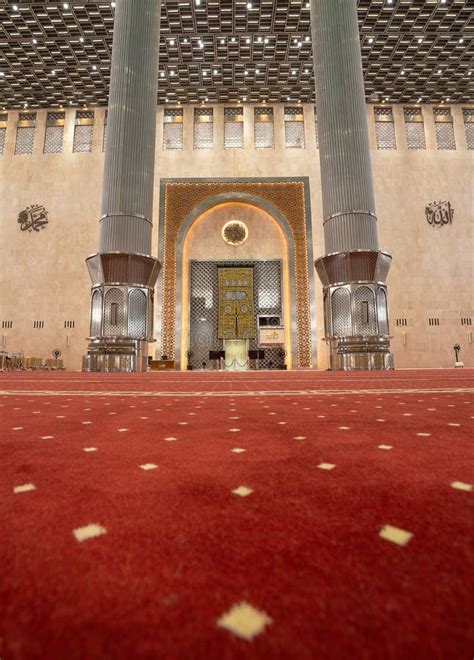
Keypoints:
pixel 223 51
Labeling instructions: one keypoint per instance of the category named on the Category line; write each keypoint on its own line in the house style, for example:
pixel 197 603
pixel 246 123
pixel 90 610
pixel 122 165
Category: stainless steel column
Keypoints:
pixel 354 270
pixel 123 273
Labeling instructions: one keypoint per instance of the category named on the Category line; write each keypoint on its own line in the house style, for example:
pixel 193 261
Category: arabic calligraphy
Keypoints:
pixel 33 218
pixel 439 214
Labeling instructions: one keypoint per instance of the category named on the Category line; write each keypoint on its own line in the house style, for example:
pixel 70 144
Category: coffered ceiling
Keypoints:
pixel 224 51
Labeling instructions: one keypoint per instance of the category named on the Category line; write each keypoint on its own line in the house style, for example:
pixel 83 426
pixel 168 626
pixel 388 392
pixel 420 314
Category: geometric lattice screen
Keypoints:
pixel 172 136
pixel 468 115
pixel 53 139
pixel 83 139
pixel 415 128
pixel 204 307
pixel 384 128
pixel 25 138
pixel 444 129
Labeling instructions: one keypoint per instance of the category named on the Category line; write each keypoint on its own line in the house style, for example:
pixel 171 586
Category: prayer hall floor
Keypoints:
pixel 276 514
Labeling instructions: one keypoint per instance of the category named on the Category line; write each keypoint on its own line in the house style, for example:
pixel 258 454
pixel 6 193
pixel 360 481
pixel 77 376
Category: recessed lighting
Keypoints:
pixel 171 42
pixel 34 41
pixel 15 7
pixel 65 5
pixel 81 39
pixel 420 40
pixel 371 40
pixel 461 40
pixel 249 5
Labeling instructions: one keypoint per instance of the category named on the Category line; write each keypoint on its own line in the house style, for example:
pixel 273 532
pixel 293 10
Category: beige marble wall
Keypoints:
pixel 43 275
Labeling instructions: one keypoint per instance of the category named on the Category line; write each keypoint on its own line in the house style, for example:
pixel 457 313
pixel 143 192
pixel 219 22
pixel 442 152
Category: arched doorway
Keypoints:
pixel 261 248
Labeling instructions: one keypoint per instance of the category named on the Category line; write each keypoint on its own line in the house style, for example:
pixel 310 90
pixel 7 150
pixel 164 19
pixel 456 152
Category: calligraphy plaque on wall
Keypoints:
pixel 439 214
pixel 236 315
pixel 33 218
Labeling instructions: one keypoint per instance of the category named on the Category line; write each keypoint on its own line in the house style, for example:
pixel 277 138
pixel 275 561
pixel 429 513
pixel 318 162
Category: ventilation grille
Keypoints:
pixel 172 136
pixel 7 324
pixel 173 112
pixel 69 324
pixel 232 114
pixel 402 322
pixel 38 325
pixel 203 112
pixel 263 112
pixel 3 132
pixel 433 321
pixel 466 320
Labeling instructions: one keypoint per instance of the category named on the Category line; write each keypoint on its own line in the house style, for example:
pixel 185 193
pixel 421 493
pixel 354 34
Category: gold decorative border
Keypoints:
pixel 287 196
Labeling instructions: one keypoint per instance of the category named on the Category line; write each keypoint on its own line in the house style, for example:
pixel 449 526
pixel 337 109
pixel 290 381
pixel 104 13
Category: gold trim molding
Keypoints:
pixel 180 198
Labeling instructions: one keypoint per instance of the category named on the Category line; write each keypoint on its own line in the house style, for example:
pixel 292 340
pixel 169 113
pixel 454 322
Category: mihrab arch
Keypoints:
pixel 183 201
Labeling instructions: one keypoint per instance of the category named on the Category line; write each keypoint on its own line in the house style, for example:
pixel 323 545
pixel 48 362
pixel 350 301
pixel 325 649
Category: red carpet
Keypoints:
pixel 179 549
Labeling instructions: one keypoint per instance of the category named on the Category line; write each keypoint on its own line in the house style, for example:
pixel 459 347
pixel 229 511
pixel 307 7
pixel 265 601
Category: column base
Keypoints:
pixel 116 354
pixel 360 354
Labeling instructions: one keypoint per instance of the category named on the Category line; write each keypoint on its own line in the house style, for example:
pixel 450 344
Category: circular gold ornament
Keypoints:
pixel 235 232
